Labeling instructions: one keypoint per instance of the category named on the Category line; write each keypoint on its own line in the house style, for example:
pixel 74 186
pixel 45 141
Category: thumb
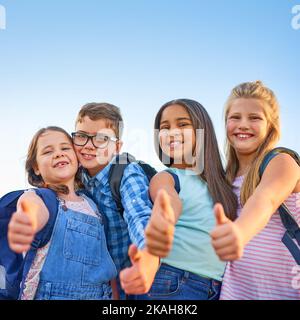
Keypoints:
pixel 165 206
pixel 30 209
pixel 220 214
pixel 134 253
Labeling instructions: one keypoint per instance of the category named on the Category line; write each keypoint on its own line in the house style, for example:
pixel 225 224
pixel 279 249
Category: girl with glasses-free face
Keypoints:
pixel 56 160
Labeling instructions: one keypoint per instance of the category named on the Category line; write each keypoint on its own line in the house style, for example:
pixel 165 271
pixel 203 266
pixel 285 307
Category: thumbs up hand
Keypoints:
pixel 23 226
pixel 138 278
pixel 227 238
pixel 161 227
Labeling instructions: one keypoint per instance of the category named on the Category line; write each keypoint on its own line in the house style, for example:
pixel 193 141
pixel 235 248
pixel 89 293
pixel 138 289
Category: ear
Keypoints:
pixel 36 170
pixel 119 145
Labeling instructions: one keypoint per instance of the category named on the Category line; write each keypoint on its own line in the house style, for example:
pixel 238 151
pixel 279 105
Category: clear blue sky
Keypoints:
pixel 57 55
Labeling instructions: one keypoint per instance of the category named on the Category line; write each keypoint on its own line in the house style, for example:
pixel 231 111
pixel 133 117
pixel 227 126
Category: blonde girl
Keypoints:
pixel 260 266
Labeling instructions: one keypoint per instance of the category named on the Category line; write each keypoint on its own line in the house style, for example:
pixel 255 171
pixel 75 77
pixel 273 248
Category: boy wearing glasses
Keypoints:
pixel 97 141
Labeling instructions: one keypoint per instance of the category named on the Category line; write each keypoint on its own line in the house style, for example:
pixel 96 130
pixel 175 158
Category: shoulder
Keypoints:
pixel 30 194
pixel 33 197
pixel 283 172
pixel 283 162
pixel 133 168
pixel 164 177
pixel 134 174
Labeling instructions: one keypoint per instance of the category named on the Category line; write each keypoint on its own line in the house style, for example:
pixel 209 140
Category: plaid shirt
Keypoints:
pixel 137 210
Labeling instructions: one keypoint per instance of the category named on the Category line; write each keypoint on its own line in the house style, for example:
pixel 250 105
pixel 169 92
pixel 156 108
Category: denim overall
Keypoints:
pixel 78 265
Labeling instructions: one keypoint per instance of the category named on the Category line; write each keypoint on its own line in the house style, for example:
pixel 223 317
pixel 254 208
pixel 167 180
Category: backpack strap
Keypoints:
pixel 289 222
pixel 116 172
pixel 176 180
pixel 50 199
pixel 115 176
pixel 42 237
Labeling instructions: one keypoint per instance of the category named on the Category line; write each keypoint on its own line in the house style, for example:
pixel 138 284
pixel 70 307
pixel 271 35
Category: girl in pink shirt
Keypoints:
pixel 260 266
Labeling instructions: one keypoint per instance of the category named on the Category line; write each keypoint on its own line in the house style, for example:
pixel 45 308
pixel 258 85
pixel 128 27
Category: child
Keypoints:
pixel 265 269
pixel 97 141
pixel 75 264
pixel 192 270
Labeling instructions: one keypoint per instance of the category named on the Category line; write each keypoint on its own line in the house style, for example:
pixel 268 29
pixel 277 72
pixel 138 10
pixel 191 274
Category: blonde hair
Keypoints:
pixel 253 90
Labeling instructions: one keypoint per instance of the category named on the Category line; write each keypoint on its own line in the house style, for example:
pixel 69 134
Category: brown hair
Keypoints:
pixel 213 173
pixel 253 90
pixel 105 111
pixel 37 180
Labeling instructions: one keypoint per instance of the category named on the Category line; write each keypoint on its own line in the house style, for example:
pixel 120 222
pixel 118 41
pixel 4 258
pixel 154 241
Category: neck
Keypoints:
pixel 245 162
pixel 93 172
pixel 71 196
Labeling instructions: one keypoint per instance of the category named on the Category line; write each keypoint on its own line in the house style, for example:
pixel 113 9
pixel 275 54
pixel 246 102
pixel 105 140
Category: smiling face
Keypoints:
pixel 56 160
pixel 91 158
pixel 246 125
pixel 177 135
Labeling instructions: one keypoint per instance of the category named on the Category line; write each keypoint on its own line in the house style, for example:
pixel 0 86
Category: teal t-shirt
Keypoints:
pixel 192 250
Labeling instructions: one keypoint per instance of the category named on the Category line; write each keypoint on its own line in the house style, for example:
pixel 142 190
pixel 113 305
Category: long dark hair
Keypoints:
pixel 213 172
pixel 37 180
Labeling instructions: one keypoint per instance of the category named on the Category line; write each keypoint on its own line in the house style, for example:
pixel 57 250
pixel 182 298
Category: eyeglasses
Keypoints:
pixel 99 140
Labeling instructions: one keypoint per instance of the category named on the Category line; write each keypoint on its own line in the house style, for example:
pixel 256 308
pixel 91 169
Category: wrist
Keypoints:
pixel 241 232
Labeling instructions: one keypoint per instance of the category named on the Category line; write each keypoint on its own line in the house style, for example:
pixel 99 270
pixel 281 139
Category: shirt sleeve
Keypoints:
pixel 136 202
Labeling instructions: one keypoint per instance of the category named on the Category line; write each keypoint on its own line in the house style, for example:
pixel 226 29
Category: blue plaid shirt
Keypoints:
pixel 121 232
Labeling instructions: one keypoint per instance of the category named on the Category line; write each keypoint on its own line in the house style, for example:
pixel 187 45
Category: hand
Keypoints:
pixel 138 278
pixel 22 227
pixel 161 226
pixel 227 238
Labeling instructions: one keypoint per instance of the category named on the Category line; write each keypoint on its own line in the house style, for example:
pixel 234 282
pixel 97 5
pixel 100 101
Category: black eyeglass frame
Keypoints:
pixel 91 137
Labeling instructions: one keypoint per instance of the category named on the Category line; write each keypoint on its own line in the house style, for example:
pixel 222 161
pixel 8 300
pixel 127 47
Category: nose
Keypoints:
pixel 58 154
pixel 175 132
pixel 243 124
pixel 89 145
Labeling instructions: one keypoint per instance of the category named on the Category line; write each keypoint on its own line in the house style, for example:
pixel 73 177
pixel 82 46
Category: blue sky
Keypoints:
pixel 138 54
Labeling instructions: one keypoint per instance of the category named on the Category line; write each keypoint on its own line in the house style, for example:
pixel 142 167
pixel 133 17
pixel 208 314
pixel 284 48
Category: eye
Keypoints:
pixel 164 128
pixel 255 118
pixel 234 117
pixel 46 152
pixel 66 148
pixel 101 138
pixel 183 124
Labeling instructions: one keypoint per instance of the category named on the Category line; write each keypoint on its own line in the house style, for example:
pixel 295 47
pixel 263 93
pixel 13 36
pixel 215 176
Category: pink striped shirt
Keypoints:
pixel 267 271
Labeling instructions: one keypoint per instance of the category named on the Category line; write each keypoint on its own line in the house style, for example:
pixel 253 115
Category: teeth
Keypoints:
pixel 175 144
pixel 244 136
pixel 88 156
pixel 61 164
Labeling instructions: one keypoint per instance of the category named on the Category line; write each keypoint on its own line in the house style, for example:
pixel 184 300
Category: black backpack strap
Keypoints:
pixel 289 222
pixel 176 180
pixel 293 232
pixel 116 174
pixel 149 171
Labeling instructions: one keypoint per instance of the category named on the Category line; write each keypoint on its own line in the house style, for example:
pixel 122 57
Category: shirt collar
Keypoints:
pixel 101 178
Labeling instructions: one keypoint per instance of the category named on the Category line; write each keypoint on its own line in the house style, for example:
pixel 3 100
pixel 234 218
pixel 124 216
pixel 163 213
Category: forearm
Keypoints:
pixel 255 216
